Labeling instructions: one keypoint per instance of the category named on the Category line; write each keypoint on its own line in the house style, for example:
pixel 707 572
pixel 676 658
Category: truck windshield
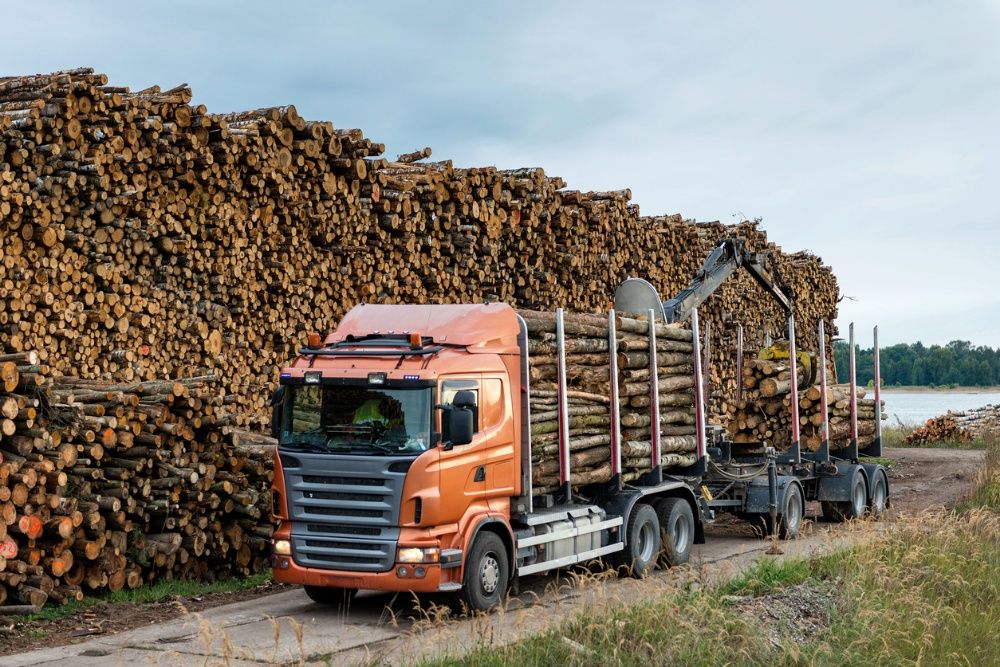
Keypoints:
pixel 357 420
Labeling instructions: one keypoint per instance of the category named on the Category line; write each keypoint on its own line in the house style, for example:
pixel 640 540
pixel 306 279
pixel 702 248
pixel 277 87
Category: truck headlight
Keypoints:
pixel 417 555
pixel 282 548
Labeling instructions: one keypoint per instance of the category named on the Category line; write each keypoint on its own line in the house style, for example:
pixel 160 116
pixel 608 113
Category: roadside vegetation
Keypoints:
pixel 924 591
pixel 159 592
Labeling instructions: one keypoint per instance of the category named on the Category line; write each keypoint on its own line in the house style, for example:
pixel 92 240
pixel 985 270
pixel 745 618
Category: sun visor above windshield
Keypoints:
pixel 484 326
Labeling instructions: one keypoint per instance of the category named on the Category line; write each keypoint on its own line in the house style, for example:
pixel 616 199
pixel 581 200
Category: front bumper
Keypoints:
pixel 434 580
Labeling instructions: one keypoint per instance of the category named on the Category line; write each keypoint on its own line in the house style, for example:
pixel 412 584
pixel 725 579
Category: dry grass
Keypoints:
pixel 924 591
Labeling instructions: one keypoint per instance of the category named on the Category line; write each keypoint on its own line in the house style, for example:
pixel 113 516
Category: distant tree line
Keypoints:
pixel 913 364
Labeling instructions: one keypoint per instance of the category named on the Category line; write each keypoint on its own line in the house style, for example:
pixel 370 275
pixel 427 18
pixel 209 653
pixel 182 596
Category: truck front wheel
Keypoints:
pixel 327 595
pixel 487 572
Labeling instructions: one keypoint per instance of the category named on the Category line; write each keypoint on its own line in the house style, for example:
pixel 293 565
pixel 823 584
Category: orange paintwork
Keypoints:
pixel 480 343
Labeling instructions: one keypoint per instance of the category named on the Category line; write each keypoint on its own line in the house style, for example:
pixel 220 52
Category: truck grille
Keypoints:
pixel 344 511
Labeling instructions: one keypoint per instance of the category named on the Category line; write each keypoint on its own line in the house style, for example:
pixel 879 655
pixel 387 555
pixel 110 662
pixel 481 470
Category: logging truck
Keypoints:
pixel 404 463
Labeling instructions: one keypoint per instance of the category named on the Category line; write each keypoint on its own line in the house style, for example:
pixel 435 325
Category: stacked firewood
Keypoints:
pixel 957 426
pixel 588 374
pixel 144 238
pixel 764 414
pixel 106 486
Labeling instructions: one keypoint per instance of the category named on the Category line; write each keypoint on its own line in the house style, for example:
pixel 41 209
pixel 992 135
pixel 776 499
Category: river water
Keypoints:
pixel 914 408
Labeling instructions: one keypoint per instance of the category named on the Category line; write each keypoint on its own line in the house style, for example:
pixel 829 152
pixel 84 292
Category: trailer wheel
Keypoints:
pixel 333 597
pixel 642 542
pixel 790 516
pixel 854 508
pixel 880 496
pixel 487 572
pixel 677 525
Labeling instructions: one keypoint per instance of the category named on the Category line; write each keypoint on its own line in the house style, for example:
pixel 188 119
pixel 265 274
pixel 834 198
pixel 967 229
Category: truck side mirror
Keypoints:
pixel 460 426
pixel 277 410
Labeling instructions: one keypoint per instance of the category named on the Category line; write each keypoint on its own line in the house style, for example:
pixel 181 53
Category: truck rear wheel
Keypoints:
pixel 880 496
pixel 487 572
pixel 334 597
pixel 677 524
pixel 854 508
pixel 642 542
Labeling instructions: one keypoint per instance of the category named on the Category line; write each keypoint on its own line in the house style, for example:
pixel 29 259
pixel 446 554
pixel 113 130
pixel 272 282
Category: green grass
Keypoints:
pixel 158 592
pixel 895 436
pixel 768 575
pixel 880 460
pixel 924 592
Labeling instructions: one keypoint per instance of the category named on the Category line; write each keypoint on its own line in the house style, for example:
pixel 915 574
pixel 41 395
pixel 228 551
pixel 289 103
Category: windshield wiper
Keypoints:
pixel 306 447
pixel 363 448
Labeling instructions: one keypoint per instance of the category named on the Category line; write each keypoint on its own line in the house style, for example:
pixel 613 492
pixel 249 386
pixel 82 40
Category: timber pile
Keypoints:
pixel 764 414
pixel 963 426
pixel 588 381
pixel 144 238
pixel 106 486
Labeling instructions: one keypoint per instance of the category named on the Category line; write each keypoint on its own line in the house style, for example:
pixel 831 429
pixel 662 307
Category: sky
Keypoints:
pixel 866 133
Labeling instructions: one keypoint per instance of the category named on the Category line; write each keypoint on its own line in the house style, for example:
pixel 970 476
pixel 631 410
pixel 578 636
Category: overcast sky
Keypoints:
pixel 867 133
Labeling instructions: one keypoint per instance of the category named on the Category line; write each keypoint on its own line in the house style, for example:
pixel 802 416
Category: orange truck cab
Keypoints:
pixel 404 464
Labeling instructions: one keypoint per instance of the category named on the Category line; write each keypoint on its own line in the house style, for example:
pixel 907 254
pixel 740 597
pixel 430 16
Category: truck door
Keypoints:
pixel 462 468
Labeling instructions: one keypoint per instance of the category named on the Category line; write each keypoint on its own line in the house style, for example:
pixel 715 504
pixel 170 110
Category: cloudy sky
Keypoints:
pixel 868 133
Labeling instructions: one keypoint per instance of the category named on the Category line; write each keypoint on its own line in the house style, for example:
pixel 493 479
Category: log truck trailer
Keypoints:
pixel 437 496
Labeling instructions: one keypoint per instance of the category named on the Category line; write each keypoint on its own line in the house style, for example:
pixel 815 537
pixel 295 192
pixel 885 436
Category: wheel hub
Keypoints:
pixel 646 542
pixel 859 499
pixel 793 514
pixel 680 531
pixel 489 574
pixel 878 501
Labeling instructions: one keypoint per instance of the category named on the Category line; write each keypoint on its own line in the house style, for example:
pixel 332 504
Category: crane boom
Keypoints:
pixel 637 295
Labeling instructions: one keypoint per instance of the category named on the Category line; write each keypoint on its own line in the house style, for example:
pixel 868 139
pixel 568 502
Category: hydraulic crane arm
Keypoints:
pixel 722 262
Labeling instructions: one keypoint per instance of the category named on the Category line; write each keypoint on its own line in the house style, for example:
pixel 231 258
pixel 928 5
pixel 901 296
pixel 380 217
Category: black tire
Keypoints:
pixel 333 597
pixel 642 543
pixel 838 512
pixel 790 515
pixel 676 530
pixel 487 573
pixel 879 496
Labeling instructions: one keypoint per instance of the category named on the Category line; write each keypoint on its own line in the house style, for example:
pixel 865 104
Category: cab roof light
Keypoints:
pixel 313 340
pixel 416 342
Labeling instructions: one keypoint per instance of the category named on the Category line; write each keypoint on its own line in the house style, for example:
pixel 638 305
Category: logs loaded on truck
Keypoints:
pixel 453 448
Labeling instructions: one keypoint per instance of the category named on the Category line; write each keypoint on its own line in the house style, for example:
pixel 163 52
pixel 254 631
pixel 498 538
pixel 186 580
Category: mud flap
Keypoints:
pixel 837 488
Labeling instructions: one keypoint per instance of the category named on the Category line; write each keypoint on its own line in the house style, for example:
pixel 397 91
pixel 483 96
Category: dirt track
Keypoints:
pixel 387 626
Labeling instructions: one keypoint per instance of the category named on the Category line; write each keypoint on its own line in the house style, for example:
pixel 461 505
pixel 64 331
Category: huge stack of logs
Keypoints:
pixel 144 238
pixel 588 379
pixel 764 414
pixel 106 486
pixel 957 426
